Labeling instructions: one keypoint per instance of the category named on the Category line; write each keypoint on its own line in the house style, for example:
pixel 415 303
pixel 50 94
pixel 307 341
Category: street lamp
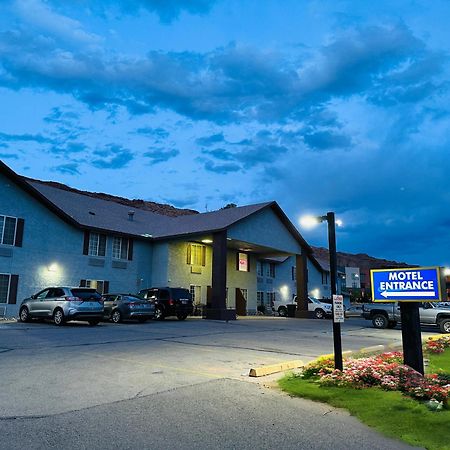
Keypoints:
pixel 309 222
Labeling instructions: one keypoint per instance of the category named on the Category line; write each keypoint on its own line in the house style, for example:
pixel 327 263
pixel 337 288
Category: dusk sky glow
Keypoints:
pixel 320 105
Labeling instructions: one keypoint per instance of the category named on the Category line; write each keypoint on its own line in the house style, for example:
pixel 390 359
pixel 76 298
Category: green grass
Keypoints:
pixel 439 362
pixel 390 413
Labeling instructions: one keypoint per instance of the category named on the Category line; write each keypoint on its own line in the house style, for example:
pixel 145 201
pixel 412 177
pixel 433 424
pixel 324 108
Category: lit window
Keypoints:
pixel 101 286
pixel 196 255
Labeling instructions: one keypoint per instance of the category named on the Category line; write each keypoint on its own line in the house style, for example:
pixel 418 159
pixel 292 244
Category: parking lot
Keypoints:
pixel 46 370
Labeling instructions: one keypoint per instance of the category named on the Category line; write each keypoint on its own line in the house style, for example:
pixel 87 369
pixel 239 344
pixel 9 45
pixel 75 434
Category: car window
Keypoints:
pixel 42 294
pixel 180 293
pixel 58 292
pixel 86 294
pixel 131 298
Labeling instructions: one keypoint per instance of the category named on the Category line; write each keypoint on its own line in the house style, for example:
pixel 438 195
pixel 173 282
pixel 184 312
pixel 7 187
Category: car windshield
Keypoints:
pixel 180 293
pixel 86 294
pixel 314 300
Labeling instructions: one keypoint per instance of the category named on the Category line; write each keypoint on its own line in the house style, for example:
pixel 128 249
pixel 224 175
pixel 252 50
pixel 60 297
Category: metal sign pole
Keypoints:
pixel 411 336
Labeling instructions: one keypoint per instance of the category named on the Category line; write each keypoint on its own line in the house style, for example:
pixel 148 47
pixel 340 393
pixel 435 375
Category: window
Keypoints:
pixel 7 230
pixel 324 277
pixel 4 288
pixel 120 248
pixel 270 298
pixel 271 270
pixel 196 255
pixel 259 269
pixel 242 262
pixel 101 286
pixel 97 244
pixel 196 293
pixel 260 298
pixel 245 293
pixel 294 273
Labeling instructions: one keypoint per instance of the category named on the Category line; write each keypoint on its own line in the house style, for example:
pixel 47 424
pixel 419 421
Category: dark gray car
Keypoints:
pixel 120 307
pixel 62 304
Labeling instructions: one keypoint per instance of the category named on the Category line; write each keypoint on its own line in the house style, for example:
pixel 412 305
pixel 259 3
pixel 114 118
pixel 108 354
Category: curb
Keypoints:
pixel 274 368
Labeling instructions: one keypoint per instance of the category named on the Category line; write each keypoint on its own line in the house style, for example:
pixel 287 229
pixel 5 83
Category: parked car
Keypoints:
pixel 169 301
pixel 120 307
pixel 387 315
pixel 320 309
pixel 353 311
pixel 62 304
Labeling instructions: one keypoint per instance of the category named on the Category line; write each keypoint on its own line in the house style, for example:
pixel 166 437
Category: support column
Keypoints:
pixel 218 310
pixel 301 262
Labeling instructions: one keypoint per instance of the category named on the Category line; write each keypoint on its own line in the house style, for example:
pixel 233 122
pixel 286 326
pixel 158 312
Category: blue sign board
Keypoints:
pixel 417 284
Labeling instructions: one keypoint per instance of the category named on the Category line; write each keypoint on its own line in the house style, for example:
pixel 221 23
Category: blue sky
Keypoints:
pixel 319 105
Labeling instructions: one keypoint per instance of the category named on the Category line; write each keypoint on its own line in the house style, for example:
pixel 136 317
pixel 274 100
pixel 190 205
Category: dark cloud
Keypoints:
pixel 159 155
pixel 167 10
pixel 8 156
pixel 39 138
pixel 220 153
pixel 113 157
pixel 221 168
pixel 326 140
pixel 59 115
pixel 67 148
pixel 67 169
pixel 230 84
pixel 207 141
pixel 159 133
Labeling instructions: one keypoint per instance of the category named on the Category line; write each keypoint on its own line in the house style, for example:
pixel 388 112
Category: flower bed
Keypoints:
pixel 386 371
pixel 438 345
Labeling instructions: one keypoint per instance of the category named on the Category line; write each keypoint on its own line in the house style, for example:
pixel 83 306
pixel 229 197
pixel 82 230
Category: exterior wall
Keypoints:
pixel 285 287
pixel 159 265
pixel 265 228
pixel 48 240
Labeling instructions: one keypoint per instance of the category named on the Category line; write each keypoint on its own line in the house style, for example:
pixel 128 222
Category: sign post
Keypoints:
pixel 408 287
pixel 338 309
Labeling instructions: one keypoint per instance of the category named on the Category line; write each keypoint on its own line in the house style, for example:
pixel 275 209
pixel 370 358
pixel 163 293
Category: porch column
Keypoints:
pixel 218 310
pixel 301 262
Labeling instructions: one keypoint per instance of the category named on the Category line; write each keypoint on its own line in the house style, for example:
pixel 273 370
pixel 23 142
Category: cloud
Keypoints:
pixel 159 133
pixel 68 148
pixel 113 157
pixel 220 153
pixel 207 141
pixel 167 10
pixel 182 202
pixel 326 140
pixel 26 137
pixel 221 168
pixel 159 155
pixel 8 156
pixel 67 169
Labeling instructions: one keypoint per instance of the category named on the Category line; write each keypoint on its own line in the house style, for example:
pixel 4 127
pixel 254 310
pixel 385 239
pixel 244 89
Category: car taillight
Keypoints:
pixel 171 302
pixel 73 299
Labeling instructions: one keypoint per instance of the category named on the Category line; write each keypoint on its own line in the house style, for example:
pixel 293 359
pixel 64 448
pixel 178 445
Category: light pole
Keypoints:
pixel 330 219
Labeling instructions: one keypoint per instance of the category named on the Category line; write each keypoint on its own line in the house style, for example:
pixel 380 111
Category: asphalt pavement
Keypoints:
pixel 171 384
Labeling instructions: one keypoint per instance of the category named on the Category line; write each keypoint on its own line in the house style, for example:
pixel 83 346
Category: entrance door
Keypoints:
pixel 241 303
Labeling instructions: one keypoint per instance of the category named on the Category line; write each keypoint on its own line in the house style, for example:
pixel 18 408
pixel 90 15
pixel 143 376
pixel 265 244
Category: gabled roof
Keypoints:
pixel 90 212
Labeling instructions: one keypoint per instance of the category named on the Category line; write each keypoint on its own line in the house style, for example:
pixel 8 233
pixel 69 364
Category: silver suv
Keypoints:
pixel 62 304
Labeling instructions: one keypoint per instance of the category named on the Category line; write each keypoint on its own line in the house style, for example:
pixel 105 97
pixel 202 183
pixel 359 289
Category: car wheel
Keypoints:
pixel 93 323
pixel 444 325
pixel 282 311
pixel 24 315
pixel 392 324
pixel 116 317
pixel 159 313
pixel 319 313
pixel 142 319
pixel 380 321
pixel 181 316
pixel 58 317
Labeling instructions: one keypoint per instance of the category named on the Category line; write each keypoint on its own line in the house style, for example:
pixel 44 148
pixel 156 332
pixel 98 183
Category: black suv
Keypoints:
pixel 169 301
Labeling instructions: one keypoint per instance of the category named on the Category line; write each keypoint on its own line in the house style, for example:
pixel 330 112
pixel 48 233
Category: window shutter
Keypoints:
pixel 203 255
pixel 86 243
pixel 237 261
pixel 14 281
pixel 130 249
pixel 188 254
pixel 105 287
pixel 82 283
pixel 19 232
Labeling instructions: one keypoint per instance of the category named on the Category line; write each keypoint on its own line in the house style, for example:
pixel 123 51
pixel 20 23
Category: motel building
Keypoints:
pixel 52 235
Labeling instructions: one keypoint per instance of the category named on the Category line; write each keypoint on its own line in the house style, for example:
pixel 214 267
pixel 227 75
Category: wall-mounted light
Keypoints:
pixel 447 271
pixel 52 267
pixel 207 241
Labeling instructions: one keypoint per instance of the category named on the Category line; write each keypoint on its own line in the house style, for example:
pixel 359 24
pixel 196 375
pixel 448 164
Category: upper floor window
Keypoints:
pixel 97 244
pixel 196 255
pixel 271 270
pixel 324 277
pixel 7 230
pixel 120 248
pixel 259 268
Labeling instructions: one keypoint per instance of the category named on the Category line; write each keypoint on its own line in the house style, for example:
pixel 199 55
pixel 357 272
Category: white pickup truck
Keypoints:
pixel 321 310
